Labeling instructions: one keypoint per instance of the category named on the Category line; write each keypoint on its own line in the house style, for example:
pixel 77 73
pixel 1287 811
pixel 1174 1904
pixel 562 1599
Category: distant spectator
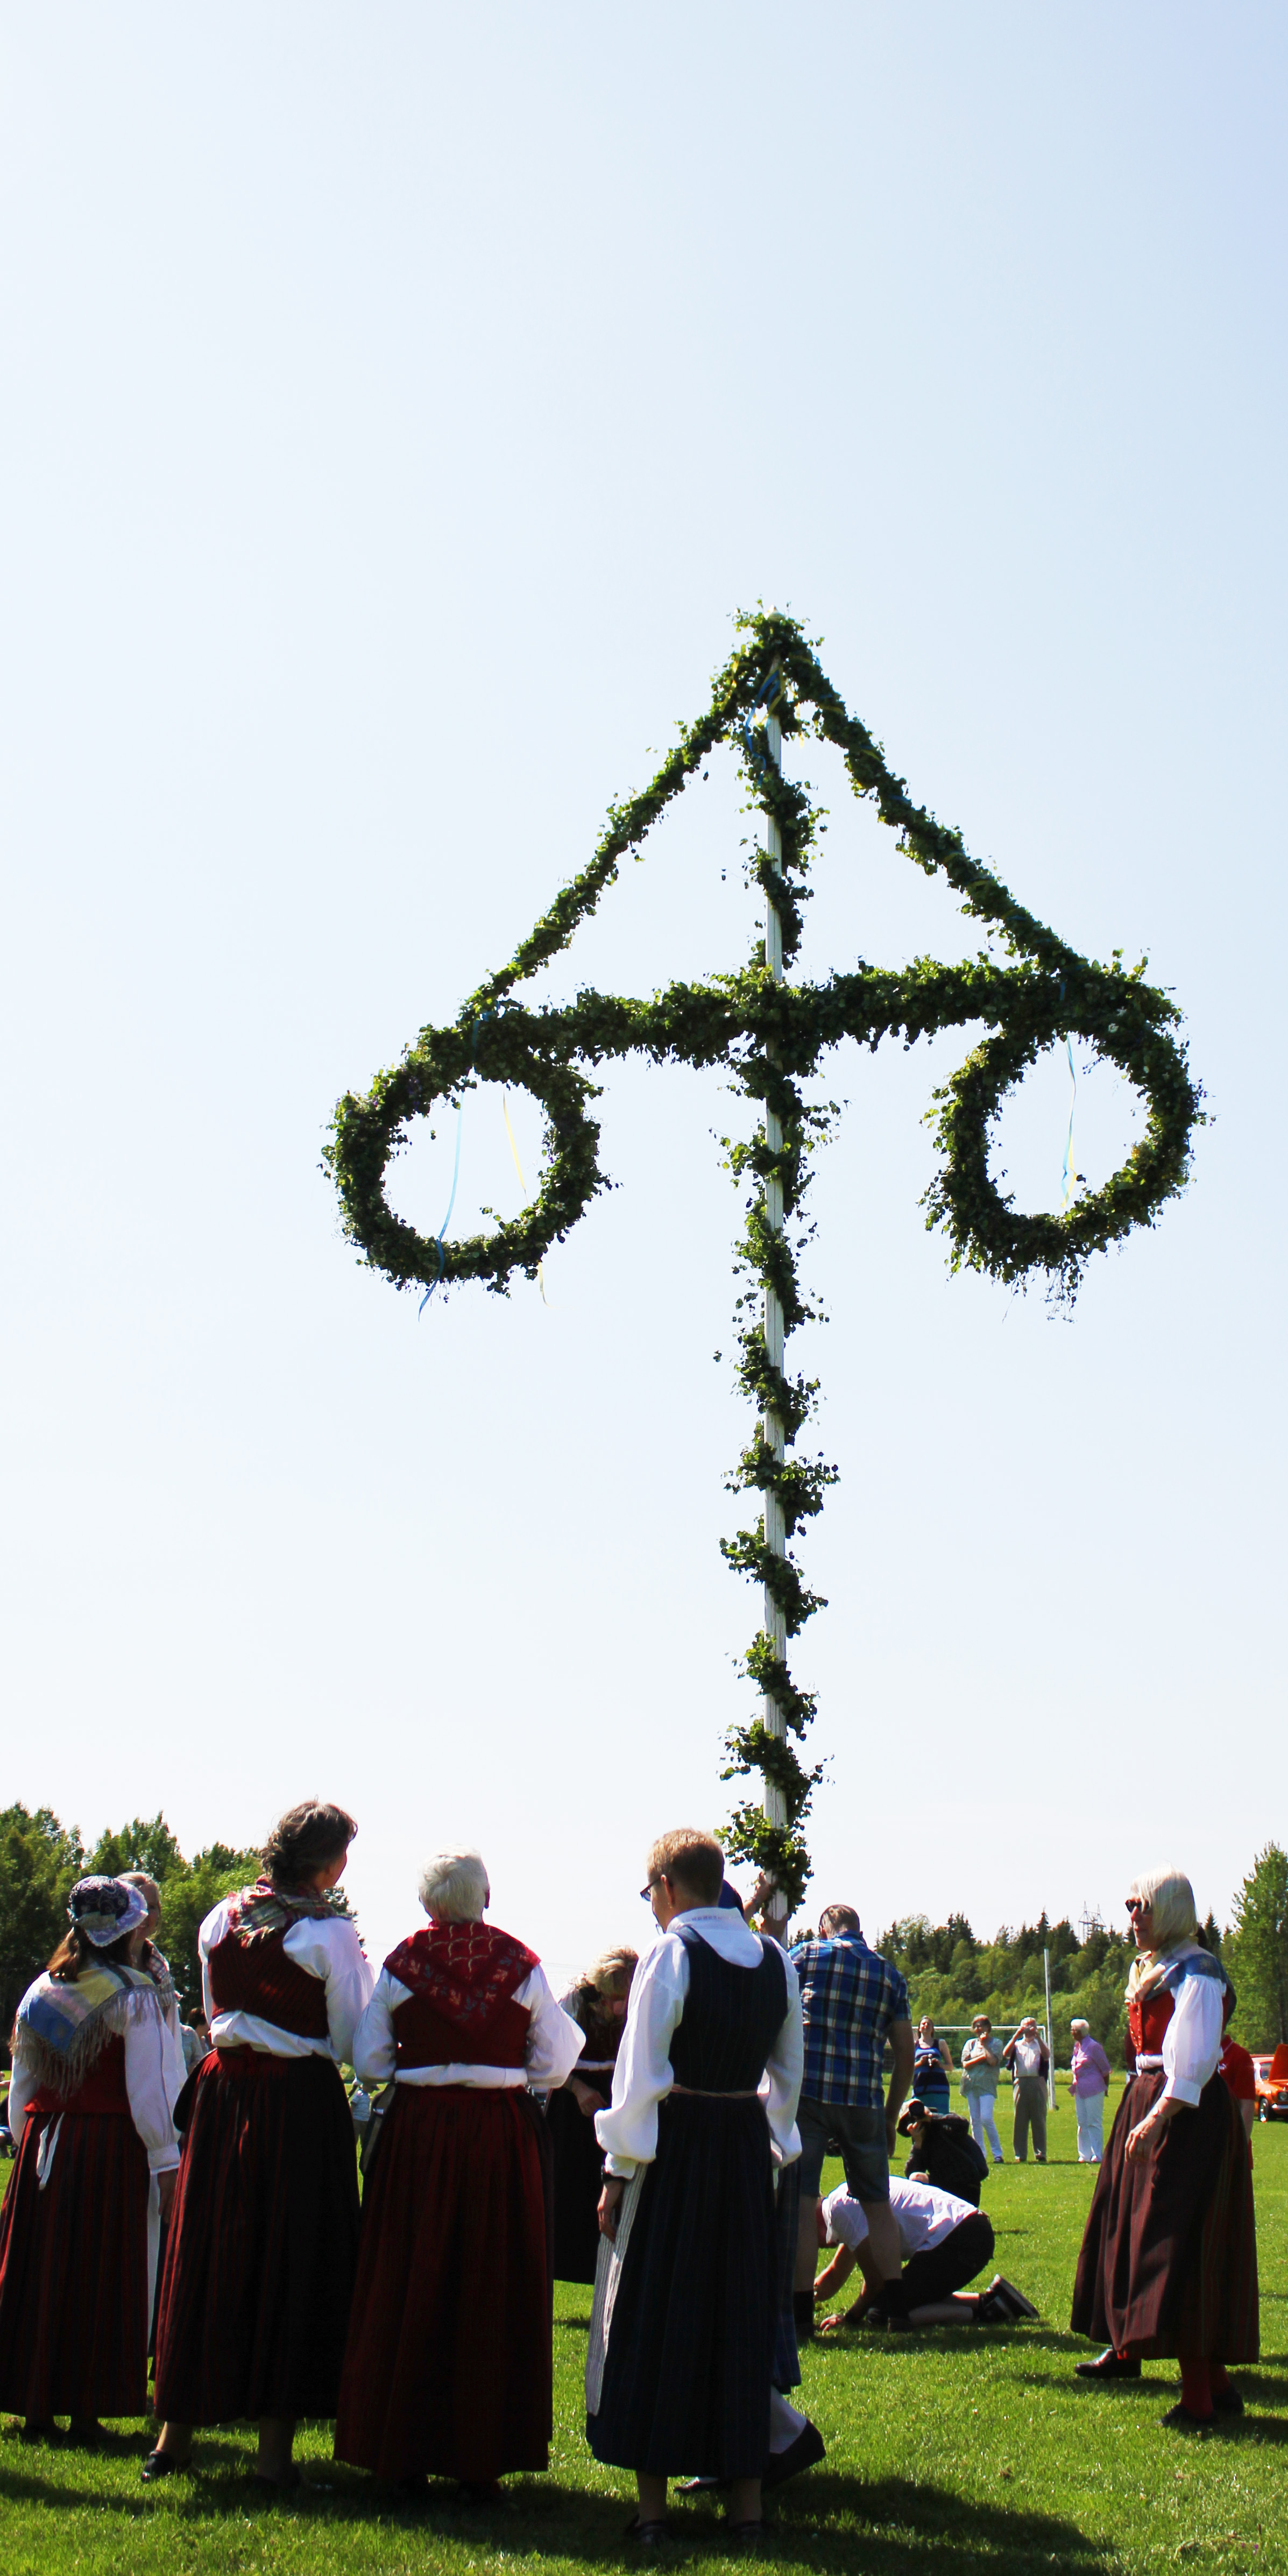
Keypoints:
pixel 932 2064
pixel 1028 2058
pixel 981 2060
pixel 945 2243
pixel 195 2036
pixel 853 2002
pixel 157 1966
pixel 1089 2084
pixel 1240 2075
pixel 943 2151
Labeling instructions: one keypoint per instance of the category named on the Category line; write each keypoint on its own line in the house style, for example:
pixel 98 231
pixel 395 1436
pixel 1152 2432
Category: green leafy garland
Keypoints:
pixel 771 1036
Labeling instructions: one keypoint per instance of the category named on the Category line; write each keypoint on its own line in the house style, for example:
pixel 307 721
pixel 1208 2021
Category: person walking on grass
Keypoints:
pixel 1089 2083
pixel 1029 2060
pixel 853 2002
pixel 981 2059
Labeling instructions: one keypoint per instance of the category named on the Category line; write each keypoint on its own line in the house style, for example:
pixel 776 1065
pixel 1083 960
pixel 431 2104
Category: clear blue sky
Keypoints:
pixel 398 404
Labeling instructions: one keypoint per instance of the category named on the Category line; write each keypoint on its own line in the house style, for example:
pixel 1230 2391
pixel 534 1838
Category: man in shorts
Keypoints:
pixel 852 2002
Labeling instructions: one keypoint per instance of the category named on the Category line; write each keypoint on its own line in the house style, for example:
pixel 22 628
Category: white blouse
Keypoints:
pixel 642 2077
pixel 551 2050
pixel 1192 2039
pixel 149 2086
pixel 325 1946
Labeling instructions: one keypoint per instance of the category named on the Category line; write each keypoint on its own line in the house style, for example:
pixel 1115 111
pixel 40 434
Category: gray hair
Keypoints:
pixel 454 1886
pixel 1080 2025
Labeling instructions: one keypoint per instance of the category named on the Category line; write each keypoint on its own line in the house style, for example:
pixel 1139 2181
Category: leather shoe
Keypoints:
pixel 1109 2365
pixel 1182 2419
pixel 1227 2401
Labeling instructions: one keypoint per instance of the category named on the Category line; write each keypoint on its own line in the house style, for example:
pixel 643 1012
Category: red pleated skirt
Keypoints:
pixel 448 2368
pixel 262 2242
pixel 74 2269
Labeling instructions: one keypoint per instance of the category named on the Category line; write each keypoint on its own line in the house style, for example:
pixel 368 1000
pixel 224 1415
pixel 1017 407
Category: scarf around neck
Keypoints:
pixel 465 1970
pixel 1151 1969
pixel 262 1909
pixel 64 2026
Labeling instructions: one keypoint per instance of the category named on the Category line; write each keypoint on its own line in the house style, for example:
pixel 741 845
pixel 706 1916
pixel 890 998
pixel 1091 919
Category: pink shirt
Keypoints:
pixel 1090 2067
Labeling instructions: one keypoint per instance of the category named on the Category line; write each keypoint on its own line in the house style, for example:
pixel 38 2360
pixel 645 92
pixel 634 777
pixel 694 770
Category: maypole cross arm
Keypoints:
pixel 771 1035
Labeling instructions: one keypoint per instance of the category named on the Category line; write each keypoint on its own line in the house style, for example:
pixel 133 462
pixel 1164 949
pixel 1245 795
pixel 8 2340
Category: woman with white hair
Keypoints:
pixel 1088 2083
pixel 448 2367
pixel 1168 2268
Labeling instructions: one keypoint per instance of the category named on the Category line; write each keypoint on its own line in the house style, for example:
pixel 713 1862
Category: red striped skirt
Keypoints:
pixel 1168 2268
pixel 74 2270
pixel 262 2242
pixel 448 2370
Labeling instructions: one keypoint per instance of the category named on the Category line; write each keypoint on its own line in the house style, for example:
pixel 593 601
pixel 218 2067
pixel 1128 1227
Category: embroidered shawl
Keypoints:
pixel 465 1970
pixel 63 2027
pixel 263 1908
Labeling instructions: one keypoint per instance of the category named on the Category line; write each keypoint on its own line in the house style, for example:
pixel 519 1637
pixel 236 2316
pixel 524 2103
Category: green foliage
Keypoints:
pixel 952 1976
pixel 772 1037
pixel 1255 1951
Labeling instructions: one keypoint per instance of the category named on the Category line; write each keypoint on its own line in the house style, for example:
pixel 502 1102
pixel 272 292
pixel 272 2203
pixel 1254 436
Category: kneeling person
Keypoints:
pixel 944 2242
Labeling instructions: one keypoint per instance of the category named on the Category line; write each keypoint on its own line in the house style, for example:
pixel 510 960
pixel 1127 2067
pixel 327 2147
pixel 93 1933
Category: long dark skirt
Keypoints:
pixel 262 2242
pixel 686 2375
pixel 786 2366
pixel 1168 2267
pixel 578 2179
pixel 74 2271
pixel 448 2368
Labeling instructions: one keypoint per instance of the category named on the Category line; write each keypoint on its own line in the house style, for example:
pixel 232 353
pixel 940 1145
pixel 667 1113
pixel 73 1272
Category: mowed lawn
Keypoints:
pixel 945 2451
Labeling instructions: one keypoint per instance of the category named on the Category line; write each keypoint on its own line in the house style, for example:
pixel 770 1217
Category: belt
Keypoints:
pixel 1146 2065
pixel 703 2093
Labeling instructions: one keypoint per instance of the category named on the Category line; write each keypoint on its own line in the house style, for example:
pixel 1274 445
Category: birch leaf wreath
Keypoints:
pixel 769 1035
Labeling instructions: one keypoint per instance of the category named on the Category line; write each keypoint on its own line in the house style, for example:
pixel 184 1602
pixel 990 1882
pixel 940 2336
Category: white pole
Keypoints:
pixel 775 1804
pixel 1050 2036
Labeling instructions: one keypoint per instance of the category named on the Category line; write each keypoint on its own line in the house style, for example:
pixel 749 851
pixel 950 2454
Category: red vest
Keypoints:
pixel 262 1978
pixel 461 2009
pixel 1147 2021
pixel 102 2095
pixel 426 2039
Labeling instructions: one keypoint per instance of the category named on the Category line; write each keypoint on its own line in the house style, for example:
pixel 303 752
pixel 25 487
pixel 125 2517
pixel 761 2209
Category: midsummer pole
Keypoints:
pixel 774 1801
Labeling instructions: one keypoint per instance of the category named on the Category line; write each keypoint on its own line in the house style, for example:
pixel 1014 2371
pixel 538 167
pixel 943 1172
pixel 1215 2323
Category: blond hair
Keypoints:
pixel 695 1859
pixel 1170 1898
pixel 612 1971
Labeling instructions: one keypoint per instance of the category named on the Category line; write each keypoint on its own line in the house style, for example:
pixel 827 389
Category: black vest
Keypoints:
pixel 732 2017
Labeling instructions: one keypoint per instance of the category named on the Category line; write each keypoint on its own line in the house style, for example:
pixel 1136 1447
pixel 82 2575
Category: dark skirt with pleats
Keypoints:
pixel 74 2270
pixel 578 2180
pixel 448 2368
pixel 686 2375
pixel 262 2242
pixel 1168 2267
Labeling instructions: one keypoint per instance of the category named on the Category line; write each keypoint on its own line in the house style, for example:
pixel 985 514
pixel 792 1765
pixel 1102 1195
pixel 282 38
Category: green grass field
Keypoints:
pixel 945 2450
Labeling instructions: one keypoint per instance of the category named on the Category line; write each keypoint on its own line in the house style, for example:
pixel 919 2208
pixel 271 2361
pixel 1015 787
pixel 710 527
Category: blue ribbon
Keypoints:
pixel 1069 1176
pixel 481 1022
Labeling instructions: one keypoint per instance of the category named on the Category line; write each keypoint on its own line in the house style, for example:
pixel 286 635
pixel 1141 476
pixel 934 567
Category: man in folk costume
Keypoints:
pixel 678 2373
pixel 448 2371
pixel 264 2230
pixel 1168 2267
pixel 90 2108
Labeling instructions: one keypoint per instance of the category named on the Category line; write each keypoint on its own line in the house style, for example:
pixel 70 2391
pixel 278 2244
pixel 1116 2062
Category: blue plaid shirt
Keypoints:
pixel 849 1997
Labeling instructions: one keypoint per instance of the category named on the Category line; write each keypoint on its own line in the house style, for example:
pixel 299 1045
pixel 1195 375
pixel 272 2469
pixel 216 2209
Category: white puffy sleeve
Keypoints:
pixel 147 2063
pixel 1192 2039
pixel 627 2130
pixel 22 2085
pixel 554 2041
pixel 208 1938
pixel 328 1944
pixel 375 2048
pixel 780 2089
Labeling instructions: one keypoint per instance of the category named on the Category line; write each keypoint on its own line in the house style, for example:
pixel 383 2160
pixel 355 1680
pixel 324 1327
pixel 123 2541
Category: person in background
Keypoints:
pixel 1029 2059
pixel 681 2351
pixel 158 1966
pixel 943 2151
pixel 1089 2083
pixel 945 2244
pixel 981 2058
pixel 932 2064
pixel 1239 2076
pixel 264 2230
pixel 852 2002
pixel 448 2368
pixel 195 2035
pixel 1168 2267
pixel 597 2003
pixel 90 2103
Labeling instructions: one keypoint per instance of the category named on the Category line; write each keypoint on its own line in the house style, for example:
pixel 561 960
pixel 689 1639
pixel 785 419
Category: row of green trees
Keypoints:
pixel 40 1861
pixel 952 1975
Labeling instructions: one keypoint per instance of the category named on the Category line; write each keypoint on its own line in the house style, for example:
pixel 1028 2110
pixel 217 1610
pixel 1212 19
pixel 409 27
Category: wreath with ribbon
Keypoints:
pixel 770 1036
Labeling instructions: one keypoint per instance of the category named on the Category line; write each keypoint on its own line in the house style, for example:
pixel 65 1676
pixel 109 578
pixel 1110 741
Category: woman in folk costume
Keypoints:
pixel 448 2368
pixel 597 2003
pixel 1168 2268
pixel 264 2229
pixel 89 2107
pixel 682 2339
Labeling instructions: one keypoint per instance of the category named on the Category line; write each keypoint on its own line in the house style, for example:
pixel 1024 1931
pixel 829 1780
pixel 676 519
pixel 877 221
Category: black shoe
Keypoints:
pixel 992 2311
pixel 1110 2365
pixel 1227 2401
pixel 1015 2300
pixel 805 2452
pixel 162 2464
pixel 1182 2419
pixel 803 2314
pixel 648 2535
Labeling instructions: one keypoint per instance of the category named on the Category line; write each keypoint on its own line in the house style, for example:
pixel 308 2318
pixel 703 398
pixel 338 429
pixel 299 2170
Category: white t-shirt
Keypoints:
pixel 923 2216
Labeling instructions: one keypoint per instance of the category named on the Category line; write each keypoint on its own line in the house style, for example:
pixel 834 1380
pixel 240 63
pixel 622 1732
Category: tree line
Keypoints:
pixel 952 1975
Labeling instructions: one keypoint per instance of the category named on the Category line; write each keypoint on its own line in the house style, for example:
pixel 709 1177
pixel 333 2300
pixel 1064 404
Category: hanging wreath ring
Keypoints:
pixel 771 1035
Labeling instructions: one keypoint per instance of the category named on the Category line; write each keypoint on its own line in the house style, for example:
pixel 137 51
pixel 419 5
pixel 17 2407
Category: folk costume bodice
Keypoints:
pixel 101 2093
pixel 256 1974
pixel 283 1971
pixel 731 2018
pixel 460 2009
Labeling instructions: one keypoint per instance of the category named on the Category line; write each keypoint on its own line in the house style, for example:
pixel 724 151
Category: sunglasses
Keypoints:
pixel 1137 1904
